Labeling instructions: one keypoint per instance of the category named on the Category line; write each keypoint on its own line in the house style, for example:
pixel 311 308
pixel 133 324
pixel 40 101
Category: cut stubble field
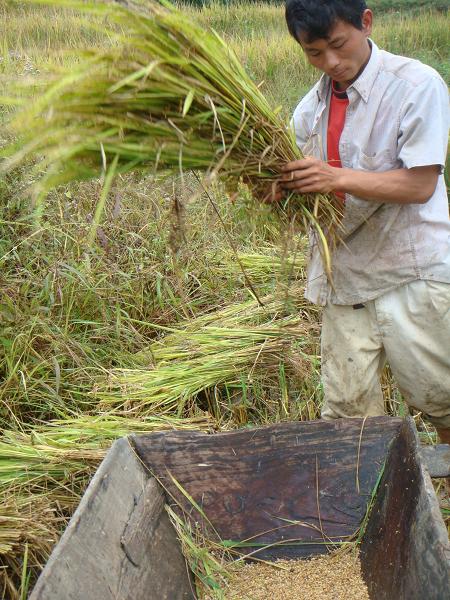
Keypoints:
pixel 159 293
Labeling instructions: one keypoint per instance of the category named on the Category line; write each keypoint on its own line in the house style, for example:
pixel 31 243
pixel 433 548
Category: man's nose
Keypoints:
pixel 332 61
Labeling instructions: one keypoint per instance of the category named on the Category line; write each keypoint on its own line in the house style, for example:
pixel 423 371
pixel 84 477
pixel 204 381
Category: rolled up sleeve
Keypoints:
pixel 424 124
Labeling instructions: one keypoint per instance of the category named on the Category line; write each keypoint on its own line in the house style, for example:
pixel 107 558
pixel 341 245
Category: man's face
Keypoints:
pixel 344 53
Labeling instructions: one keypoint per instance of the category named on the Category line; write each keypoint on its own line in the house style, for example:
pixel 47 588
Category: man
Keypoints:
pixel 375 130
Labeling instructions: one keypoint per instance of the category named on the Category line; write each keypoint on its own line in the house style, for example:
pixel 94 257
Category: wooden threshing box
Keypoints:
pixel 121 545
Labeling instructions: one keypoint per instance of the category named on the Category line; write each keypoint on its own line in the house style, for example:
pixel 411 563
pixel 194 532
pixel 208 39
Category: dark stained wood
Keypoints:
pixel 249 482
pixel 436 459
pixel 120 543
pixel 405 552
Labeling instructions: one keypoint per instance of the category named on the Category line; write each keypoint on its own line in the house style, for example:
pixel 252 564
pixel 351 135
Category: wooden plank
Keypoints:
pixel 406 552
pixel 251 482
pixel 436 459
pixel 143 522
pixel 120 543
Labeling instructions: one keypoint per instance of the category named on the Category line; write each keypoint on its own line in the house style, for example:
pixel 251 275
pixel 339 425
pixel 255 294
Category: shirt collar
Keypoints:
pixel 364 84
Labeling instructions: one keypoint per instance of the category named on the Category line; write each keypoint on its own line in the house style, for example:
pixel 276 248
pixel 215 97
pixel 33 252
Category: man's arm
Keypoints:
pixel 399 186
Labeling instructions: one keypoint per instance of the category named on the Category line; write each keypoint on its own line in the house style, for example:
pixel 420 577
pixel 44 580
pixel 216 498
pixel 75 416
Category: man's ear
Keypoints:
pixel 367 20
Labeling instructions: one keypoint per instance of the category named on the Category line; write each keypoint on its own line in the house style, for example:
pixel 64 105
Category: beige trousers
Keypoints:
pixel 410 328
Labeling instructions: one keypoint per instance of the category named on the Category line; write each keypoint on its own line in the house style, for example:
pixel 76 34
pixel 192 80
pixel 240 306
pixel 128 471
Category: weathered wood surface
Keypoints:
pixel 436 459
pixel 120 544
pixel 250 482
pixel 406 552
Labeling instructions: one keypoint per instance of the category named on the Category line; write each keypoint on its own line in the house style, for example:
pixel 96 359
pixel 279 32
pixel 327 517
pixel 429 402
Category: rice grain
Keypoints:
pixel 331 577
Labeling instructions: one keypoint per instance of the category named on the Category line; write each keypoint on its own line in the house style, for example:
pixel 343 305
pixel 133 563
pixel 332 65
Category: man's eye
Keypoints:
pixel 336 46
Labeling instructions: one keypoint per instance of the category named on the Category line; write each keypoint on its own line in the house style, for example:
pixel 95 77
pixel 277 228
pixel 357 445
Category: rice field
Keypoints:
pixel 162 292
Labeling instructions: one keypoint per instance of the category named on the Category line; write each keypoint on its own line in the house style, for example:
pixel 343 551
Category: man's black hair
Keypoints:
pixel 315 18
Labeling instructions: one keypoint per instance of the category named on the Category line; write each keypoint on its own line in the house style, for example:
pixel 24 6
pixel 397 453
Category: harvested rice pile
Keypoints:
pixel 330 577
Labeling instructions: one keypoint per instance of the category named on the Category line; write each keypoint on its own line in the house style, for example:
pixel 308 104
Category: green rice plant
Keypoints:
pixel 168 95
pixel 25 579
pixel 67 446
pixel 265 266
pixel 31 458
pixel 212 351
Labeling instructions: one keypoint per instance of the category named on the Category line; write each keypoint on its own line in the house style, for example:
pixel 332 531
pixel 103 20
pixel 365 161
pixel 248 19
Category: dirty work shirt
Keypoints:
pixel 397 118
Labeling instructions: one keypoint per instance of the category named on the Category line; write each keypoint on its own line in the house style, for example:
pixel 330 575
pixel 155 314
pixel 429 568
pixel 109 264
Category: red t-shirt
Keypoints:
pixel 336 120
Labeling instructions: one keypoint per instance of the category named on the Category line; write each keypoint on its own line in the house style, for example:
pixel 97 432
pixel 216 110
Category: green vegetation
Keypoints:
pixel 159 284
pixel 379 6
pixel 407 5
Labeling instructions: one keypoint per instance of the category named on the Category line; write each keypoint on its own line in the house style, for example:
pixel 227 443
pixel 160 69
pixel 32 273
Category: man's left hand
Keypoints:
pixel 310 175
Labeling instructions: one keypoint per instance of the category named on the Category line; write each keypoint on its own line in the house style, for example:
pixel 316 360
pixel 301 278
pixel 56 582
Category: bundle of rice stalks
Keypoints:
pixel 168 94
pixel 216 349
pixel 263 266
pixel 101 430
pixel 60 450
pixel 35 457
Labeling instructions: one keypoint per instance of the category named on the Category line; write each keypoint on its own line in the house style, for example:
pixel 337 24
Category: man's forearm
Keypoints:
pixel 402 186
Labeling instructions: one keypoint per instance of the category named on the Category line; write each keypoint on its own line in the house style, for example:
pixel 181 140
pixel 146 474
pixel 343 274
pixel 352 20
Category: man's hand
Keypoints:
pixel 302 176
pixel 310 175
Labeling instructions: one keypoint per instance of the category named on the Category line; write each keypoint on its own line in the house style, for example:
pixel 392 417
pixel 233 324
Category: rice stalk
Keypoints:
pixel 212 350
pixel 26 458
pixel 262 265
pixel 102 429
pixel 66 447
pixel 247 313
pixel 168 95
pixel 41 484
pixel 222 357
